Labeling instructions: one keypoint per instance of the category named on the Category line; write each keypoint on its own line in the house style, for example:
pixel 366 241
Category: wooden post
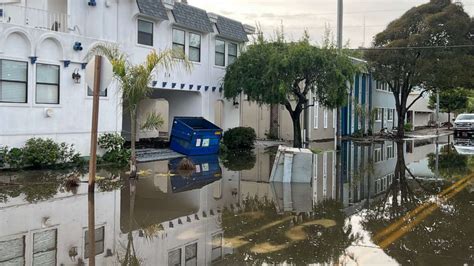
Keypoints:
pixel 95 122
pixel 91 228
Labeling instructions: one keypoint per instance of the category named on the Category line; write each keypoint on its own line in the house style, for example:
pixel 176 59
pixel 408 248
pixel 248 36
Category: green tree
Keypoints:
pixel 454 100
pixel 278 72
pixel 429 47
pixel 134 81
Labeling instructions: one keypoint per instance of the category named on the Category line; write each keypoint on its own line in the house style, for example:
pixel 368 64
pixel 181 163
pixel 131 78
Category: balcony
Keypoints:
pixel 33 17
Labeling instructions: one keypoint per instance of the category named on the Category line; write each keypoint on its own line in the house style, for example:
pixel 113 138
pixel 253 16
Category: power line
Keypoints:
pixel 416 47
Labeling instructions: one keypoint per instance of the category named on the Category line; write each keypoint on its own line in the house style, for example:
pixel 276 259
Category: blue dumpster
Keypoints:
pixel 195 136
pixel 206 170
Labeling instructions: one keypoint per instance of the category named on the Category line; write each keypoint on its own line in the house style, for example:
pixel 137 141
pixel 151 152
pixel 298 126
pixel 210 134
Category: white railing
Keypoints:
pixel 37 18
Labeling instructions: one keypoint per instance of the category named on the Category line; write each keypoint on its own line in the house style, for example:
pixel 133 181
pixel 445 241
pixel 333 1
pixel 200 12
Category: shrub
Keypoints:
pixel 408 127
pixel 14 158
pixel 239 161
pixel 3 155
pixel 239 138
pixel 358 133
pixel 115 152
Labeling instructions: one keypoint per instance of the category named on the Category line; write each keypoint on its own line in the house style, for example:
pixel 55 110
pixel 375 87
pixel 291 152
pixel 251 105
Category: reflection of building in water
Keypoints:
pixel 174 227
pixel 54 232
pixel 294 196
pixel 366 170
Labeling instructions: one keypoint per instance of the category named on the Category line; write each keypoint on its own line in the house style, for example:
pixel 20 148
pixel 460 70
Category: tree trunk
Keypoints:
pixel 401 126
pixel 274 121
pixel 297 140
pixel 133 158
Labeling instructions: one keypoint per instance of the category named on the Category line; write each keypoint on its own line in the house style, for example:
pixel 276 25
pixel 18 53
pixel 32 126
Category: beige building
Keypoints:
pixel 321 121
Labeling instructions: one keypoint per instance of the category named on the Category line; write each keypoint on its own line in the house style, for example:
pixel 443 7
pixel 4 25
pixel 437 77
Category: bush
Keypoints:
pixel 41 153
pixel 239 161
pixel 14 158
pixel 115 152
pixel 358 134
pixel 408 127
pixel 3 155
pixel 239 138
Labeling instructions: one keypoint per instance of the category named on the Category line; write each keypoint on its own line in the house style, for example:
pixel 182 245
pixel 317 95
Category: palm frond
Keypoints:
pixel 153 122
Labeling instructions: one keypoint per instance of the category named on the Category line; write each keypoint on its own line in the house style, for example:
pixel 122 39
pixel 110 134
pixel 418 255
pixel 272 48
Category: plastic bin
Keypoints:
pixel 206 170
pixel 195 136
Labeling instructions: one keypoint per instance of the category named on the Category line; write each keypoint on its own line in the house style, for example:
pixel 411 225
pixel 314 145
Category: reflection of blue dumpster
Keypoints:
pixel 195 136
pixel 206 170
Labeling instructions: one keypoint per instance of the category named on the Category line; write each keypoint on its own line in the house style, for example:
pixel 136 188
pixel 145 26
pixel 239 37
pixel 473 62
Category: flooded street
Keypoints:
pixel 382 203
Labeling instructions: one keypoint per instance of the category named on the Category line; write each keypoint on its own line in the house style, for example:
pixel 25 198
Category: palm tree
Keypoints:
pixel 134 81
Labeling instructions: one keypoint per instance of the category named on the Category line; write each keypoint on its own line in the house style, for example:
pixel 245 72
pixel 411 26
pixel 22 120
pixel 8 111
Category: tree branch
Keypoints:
pixel 416 99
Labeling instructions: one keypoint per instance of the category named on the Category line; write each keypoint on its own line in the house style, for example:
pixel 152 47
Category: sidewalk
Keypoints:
pixel 428 133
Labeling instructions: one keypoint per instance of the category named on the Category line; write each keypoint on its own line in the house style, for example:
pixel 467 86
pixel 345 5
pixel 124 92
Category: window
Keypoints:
pixel 102 92
pixel 231 53
pixel 145 32
pixel 378 156
pixel 12 252
pixel 378 116
pixel 390 152
pixel 13 81
pixel 194 47
pixel 174 257
pixel 390 114
pixel 216 253
pixel 325 118
pixel 99 241
pixel 45 247
pixel 179 42
pixel 190 255
pixel 220 53
pixel 47 84
pixel 316 115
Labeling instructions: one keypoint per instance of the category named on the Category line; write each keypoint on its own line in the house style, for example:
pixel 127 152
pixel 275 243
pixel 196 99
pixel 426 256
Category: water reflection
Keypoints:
pixel 389 204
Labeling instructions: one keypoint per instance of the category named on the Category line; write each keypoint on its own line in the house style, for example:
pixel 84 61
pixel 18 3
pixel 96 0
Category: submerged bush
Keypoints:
pixel 115 152
pixel 239 138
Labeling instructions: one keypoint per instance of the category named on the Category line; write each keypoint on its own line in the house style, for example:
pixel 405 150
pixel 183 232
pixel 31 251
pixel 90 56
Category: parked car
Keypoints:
pixel 464 125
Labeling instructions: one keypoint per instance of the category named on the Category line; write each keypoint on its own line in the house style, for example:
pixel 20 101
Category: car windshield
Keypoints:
pixel 465 117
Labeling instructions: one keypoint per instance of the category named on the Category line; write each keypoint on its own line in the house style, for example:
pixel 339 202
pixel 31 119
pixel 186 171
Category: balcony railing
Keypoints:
pixel 37 18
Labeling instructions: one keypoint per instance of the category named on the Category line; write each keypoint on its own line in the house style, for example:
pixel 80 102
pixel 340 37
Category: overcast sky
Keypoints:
pixel 313 15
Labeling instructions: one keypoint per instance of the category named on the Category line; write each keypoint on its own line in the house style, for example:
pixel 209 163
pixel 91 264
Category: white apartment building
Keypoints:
pixel 43 42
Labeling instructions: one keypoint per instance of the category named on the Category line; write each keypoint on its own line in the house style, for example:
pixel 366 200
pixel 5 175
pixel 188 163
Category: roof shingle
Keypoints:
pixel 231 29
pixel 152 8
pixel 191 17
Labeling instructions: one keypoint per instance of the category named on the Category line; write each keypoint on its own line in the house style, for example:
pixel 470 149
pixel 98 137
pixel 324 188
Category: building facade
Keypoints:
pixel 44 42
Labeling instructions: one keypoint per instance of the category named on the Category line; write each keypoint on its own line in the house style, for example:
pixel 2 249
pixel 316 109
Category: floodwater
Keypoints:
pixel 381 204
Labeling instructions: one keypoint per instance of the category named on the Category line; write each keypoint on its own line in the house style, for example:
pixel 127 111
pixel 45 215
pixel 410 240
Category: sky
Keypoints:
pixel 314 15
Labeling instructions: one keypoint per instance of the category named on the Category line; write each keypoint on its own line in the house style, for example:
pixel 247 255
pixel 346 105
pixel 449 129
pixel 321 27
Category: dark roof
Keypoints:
pixel 191 17
pixel 152 8
pixel 231 29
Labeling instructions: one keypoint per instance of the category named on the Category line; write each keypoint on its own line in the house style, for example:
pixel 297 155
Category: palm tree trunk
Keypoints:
pixel 133 158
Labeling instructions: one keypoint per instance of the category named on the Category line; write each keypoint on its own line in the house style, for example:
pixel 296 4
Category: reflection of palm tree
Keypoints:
pixel 130 253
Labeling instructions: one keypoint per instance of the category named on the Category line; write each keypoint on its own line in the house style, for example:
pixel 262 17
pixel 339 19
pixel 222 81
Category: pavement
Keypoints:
pixel 428 133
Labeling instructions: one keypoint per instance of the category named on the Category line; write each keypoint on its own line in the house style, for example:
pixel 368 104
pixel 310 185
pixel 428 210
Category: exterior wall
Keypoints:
pixel 256 117
pixel 355 115
pixel 71 119
pixel 384 100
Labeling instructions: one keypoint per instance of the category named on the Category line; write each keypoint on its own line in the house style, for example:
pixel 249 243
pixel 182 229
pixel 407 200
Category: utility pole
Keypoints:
pixel 339 23
pixel 437 112
pixel 95 122
pixel 339 47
